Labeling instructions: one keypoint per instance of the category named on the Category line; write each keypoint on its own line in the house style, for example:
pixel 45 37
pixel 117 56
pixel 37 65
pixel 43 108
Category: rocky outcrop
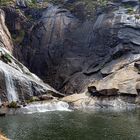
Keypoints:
pixel 5 38
pixel 23 3
pixel 17 83
pixel 85 101
pixel 72 54
pixel 123 80
pixel 49 34
pixel 15 19
pixel 3 137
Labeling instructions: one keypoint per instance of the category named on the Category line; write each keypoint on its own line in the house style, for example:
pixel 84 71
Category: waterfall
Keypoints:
pixel 11 92
pixel 0 102
pixel 10 88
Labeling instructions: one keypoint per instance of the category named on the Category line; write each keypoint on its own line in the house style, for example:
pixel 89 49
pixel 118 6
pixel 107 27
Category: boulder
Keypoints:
pixel 46 97
pixel 79 101
pixel 119 63
pixel 123 80
pixel 137 65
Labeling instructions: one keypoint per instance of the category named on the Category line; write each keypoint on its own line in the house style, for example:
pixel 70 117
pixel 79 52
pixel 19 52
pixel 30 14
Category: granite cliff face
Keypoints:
pixel 72 51
pixel 17 83
pixel 5 38
pixel 72 54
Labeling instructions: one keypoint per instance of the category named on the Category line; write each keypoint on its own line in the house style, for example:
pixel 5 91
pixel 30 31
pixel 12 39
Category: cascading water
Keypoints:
pixel 0 102
pixel 10 88
pixel 42 107
pixel 11 92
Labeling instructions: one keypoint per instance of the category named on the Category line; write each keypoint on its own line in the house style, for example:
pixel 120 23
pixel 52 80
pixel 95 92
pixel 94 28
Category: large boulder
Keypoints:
pixel 124 80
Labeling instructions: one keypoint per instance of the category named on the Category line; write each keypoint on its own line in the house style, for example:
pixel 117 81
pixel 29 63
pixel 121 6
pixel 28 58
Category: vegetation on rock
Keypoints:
pixel 13 105
pixel 6 58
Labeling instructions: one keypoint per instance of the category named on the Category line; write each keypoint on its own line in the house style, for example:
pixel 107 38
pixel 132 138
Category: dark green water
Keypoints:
pixel 73 126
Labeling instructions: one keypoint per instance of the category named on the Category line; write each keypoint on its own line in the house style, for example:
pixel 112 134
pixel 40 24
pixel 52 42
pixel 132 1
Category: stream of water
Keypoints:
pixel 10 87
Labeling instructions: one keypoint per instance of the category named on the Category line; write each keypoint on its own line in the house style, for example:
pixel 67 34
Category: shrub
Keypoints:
pixel 7 58
pixel 13 104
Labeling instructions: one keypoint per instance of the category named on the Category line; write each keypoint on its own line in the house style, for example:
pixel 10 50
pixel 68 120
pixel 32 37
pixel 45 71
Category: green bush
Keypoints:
pixel 32 99
pixel 7 58
pixel 13 105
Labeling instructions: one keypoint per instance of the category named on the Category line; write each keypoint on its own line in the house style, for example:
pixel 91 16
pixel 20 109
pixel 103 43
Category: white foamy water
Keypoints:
pixel 11 92
pixel 42 107
pixel 10 87
pixel 0 102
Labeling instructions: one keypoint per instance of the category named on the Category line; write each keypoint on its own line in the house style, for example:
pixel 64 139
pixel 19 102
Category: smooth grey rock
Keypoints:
pixel 69 53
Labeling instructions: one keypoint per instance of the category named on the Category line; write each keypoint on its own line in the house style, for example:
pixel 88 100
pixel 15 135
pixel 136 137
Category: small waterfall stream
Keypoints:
pixel 10 87
pixel 0 102
pixel 11 92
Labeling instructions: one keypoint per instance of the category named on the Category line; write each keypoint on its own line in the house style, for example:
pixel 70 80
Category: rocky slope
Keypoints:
pixel 73 49
pixel 17 83
pixel 71 54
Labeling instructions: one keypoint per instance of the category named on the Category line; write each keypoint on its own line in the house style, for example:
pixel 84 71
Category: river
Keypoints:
pixel 73 125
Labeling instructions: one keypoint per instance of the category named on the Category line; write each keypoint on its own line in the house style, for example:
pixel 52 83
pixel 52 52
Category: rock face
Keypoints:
pixel 71 54
pixel 46 36
pixel 5 38
pixel 17 83
pixel 85 101
pixel 15 19
pixel 2 137
pixel 123 80
pixel 23 3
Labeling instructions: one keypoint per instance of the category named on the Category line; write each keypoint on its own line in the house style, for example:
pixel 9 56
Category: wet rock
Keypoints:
pixel 137 65
pixel 138 87
pixel 131 2
pixel 46 97
pixel 70 54
pixel 3 111
pixel 82 101
pixel 17 83
pixel 23 3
